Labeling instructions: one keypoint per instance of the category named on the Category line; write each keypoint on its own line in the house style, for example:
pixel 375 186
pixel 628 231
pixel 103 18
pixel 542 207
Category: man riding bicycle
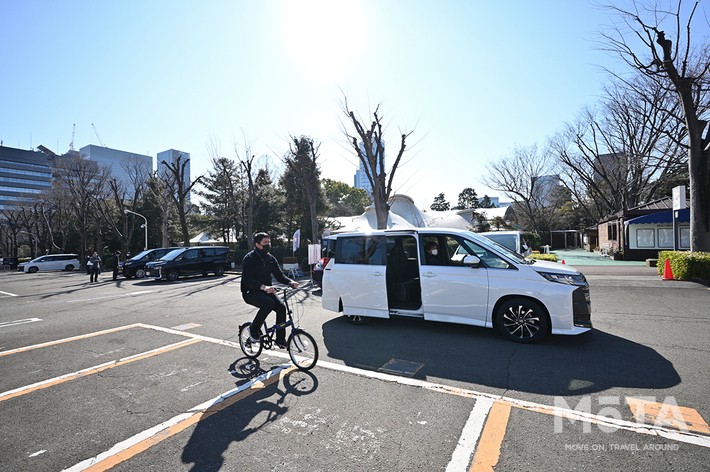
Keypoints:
pixel 257 268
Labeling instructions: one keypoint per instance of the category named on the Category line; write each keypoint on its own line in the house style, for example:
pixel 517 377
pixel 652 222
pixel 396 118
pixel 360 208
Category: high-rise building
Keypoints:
pixel 125 166
pixel 171 157
pixel 361 180
pixel 23 175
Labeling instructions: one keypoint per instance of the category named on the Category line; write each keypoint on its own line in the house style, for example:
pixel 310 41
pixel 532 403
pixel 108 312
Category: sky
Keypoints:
pixel 470 79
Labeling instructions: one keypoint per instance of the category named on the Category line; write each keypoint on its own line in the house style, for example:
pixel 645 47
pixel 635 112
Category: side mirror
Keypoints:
pixel 472 261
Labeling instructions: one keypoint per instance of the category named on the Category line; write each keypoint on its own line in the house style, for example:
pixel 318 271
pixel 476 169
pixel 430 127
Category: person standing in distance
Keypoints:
pixel 257 268
pixel 116 259
pixel 95 262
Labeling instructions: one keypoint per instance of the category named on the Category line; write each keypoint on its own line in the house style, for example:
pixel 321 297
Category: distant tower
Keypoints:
pixel 361 180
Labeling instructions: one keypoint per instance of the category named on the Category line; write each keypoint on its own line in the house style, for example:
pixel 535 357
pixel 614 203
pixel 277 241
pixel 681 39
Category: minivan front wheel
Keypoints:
pixel 32 270
pixel 522 320
pixel 69 268
pixel 172 275
pixel 140 273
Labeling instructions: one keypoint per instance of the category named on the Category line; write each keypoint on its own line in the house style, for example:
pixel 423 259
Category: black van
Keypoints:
pixel 135 266
pixel 189 261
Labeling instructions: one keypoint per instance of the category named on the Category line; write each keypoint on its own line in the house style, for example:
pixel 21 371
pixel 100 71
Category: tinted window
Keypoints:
pixel 191 254
pixel 368 250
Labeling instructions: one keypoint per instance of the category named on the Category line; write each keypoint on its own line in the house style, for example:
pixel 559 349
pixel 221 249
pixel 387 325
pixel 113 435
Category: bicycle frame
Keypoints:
pixel 267 339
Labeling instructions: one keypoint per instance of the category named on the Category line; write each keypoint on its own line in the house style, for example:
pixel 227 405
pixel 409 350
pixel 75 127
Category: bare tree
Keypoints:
pixel 369 146
pixel 85 184
pixel 526 177
pixel 180 192
pixel 666 36
pixel 620 155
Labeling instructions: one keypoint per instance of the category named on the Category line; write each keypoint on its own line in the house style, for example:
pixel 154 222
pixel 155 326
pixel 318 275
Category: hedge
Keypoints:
pixel 686 265
pixel 543 257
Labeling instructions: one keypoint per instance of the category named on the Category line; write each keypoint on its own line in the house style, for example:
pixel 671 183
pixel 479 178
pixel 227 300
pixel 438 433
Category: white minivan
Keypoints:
pixel 66 262
pixel 513 240
pixel 470 281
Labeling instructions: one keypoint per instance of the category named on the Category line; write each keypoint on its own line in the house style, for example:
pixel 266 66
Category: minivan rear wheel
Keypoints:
pixel 219 271
pixel 522 320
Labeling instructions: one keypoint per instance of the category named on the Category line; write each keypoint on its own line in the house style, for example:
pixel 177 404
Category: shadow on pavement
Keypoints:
pixel 560 365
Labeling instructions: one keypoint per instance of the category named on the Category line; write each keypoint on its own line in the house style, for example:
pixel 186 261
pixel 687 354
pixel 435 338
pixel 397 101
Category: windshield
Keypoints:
pixel 140 255
pixel 171 255
pixel 499 248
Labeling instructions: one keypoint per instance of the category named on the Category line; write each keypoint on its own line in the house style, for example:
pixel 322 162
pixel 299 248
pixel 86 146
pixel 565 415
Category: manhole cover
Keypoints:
pixel 401 367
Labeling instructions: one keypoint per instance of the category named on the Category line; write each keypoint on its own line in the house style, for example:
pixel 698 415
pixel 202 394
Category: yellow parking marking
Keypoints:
pixel 488 450
pixel 67 340
pixel 665 414
pixel 129 448
pixel 92 370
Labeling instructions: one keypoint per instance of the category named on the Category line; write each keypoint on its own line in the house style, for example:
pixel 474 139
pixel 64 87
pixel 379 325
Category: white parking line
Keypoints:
pixel 469 436
pixel 127 294
pixel 19 322
pixel 8 294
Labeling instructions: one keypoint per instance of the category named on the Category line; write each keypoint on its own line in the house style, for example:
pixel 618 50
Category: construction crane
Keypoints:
pixel 73 132
pixel 97 135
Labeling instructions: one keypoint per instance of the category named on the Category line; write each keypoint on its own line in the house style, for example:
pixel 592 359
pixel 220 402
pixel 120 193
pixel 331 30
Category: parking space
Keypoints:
pixel 143 396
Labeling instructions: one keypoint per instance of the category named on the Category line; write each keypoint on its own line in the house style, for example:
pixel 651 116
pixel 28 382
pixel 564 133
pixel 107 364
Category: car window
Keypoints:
pixel 488 258
pixel 190 254
pixel 368 250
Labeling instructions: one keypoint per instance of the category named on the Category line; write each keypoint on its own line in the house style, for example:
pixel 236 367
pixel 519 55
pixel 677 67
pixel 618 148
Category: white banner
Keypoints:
pixel 296 240
pixel 313 253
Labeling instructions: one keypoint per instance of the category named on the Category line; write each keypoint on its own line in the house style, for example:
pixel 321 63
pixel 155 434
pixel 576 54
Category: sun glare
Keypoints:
pixel 323 37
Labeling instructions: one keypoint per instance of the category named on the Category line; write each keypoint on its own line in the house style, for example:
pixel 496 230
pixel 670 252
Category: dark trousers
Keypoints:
pixel 94 274
pixel 115 272
pixel 266 303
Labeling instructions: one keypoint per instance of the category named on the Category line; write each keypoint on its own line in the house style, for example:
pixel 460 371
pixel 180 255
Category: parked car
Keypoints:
pixel 66 262
pixel 189 261
pixel 327 250
pixel 9 263
pixel 513 240
pixel 476 282
pixel 135 266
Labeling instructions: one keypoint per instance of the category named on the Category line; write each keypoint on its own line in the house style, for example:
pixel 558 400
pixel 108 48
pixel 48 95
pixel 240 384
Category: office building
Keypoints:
pixel 24 175
pixel 126 167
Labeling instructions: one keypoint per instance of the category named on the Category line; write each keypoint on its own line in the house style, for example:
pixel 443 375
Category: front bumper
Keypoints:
pixel 582 307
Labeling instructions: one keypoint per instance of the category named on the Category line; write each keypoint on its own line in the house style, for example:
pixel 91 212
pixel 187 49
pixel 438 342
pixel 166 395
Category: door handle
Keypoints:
pixel 378 274
pixel 429 274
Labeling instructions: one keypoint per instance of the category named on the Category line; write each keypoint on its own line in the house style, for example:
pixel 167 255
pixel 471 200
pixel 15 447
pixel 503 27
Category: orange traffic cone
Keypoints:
pixel 563 261
pixel 667 271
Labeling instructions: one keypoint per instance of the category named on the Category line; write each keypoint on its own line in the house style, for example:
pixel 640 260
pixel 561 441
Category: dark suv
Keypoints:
pixel 135 266
pixel 189 261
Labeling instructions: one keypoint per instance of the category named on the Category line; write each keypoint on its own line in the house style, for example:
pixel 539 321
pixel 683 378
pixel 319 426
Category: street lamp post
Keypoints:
pixel 144 225
pixel 34 238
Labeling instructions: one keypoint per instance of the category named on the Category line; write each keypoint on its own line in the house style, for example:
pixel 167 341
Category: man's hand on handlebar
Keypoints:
pixel 294 285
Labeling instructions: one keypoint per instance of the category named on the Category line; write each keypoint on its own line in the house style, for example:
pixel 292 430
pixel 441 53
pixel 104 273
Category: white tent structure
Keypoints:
pixel 404 214
pixel 206 239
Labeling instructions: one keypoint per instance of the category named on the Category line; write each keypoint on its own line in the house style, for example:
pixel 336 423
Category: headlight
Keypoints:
pixel 569 279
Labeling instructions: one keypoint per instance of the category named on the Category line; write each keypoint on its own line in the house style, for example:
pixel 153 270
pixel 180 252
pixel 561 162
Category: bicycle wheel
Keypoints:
pixel 302 349
pixel 249 348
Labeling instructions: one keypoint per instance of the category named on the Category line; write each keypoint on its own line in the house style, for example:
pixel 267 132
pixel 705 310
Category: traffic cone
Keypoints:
pixel 667 271
pixel 563 261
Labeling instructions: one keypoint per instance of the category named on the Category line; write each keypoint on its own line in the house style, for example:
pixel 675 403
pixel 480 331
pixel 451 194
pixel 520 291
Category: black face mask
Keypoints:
pixel 266 248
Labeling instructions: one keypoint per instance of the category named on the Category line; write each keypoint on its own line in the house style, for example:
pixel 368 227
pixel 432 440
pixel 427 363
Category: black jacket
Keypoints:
pixel 257 269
